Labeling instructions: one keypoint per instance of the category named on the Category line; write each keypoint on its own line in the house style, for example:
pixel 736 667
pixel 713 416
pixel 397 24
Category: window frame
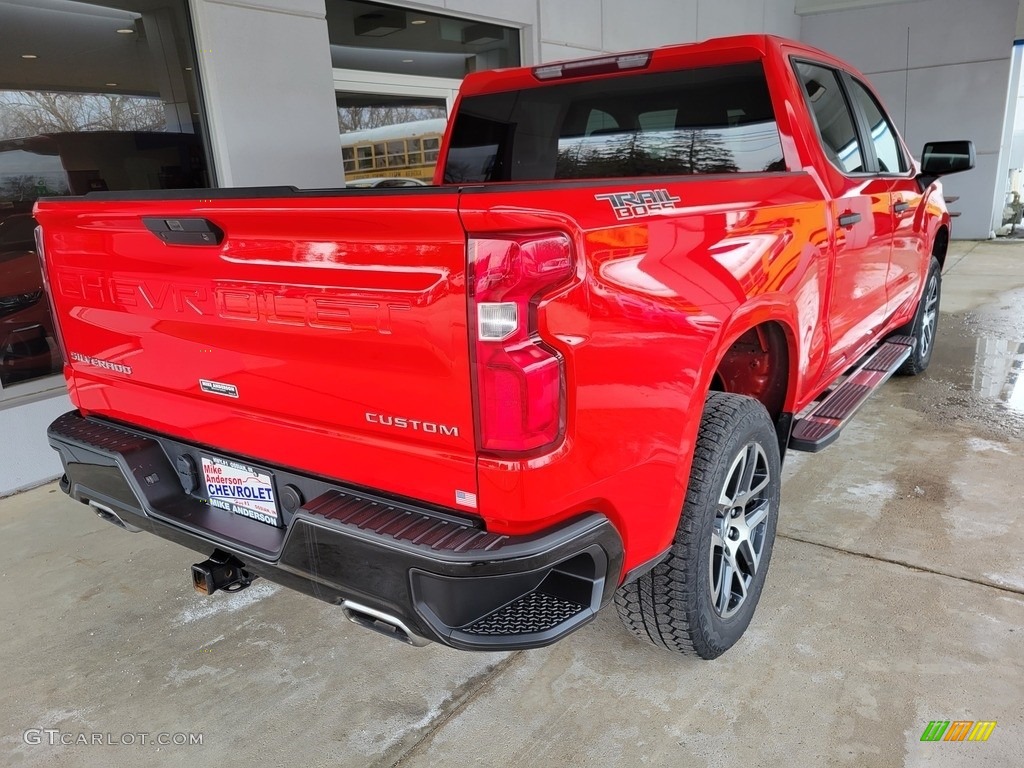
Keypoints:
pixel 864 126
pixel 867 149
pixel 860 121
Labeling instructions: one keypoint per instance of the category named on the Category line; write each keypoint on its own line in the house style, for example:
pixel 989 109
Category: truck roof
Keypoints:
pixel 719 50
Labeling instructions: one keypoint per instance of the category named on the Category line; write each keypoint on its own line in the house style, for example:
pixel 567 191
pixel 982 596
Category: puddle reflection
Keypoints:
pixel 997 368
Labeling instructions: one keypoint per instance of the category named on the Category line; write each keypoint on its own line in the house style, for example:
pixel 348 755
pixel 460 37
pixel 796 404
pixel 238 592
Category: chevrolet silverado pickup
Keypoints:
pixel 563 375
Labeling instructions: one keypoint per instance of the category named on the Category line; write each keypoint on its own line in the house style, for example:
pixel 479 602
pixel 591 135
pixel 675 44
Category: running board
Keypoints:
pixel 820 428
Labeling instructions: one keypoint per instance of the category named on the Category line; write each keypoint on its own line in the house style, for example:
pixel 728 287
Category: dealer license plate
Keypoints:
pixel 240 489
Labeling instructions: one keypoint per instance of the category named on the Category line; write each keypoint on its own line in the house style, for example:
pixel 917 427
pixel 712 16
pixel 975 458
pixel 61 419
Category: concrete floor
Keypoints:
pixel 894 598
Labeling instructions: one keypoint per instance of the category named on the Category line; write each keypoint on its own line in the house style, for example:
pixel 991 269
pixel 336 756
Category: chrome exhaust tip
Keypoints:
pixel 384 623
pixel 106 513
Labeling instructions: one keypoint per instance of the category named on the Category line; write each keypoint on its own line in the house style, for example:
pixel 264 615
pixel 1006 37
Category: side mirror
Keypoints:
pixel 944 157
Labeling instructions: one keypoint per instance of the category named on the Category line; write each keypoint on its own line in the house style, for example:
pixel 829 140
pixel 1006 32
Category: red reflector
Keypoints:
pixel 520 383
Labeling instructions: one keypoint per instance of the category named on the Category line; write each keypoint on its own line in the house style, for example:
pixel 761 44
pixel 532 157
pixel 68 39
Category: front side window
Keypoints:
pixel 697 121
pixel 832 117
pixel 883 136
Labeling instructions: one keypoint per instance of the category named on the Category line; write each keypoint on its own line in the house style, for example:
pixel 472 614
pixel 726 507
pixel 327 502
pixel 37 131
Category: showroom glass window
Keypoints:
pixel 92 98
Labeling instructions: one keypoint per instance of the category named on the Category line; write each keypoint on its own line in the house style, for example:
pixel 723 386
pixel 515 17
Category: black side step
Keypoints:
pixel 821 426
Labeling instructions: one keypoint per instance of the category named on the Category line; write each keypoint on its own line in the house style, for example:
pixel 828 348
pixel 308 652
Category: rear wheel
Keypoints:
pixel 925 324
pixel 700 599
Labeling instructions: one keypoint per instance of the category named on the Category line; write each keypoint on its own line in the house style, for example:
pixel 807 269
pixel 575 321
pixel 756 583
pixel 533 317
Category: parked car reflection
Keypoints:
pixel 382 182
pixel 27 347
pixel 68 164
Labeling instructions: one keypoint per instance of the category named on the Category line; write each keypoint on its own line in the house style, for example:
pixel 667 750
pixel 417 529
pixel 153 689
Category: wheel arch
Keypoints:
pixel 758 355
pixel 772 329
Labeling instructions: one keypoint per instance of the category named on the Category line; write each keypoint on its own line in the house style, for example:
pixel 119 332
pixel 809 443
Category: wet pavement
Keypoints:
pixel 896 597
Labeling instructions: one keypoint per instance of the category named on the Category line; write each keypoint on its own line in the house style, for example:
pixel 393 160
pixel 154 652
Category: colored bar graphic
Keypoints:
pixel 935 730
pixel 982 730
pixel 958 730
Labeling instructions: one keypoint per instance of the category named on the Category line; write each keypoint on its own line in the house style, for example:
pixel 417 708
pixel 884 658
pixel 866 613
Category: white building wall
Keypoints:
pixel 265 66
pixel 942 67
pixel 26 459
pixel 573 28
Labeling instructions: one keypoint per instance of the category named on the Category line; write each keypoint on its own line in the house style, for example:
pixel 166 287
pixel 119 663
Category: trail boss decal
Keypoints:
pixel 642 202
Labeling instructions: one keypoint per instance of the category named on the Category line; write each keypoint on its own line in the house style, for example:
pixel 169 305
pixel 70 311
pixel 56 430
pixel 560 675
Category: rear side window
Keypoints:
pixel 698 121
pixel 832 117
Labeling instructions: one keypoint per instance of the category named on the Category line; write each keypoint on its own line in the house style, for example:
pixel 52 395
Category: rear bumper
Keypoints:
pixel 443 576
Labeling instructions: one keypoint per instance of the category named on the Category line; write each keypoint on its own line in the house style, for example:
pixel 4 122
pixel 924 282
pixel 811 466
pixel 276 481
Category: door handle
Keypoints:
pixel 187 231
pixel 901 207
pixel 848 219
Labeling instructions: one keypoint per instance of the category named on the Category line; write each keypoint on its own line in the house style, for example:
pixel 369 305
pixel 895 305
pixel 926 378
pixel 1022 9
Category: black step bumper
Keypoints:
pixel 443 576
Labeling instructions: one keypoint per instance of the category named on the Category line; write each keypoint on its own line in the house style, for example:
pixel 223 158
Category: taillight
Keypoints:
pixel 520 380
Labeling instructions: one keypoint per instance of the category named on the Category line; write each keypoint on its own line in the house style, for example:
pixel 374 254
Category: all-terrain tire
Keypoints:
pixel 675 605
pixel 925 323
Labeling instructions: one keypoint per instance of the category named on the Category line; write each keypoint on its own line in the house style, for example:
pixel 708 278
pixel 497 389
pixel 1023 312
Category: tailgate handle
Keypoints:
pixel 188 231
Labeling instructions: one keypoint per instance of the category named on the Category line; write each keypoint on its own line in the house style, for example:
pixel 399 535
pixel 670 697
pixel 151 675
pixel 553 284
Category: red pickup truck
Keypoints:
pixel 564 375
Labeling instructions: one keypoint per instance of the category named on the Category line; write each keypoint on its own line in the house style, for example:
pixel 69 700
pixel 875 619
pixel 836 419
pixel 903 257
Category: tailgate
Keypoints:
pixel 324 334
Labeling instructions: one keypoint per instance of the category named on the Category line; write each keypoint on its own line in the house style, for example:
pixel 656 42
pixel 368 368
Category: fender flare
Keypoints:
pixel 766 308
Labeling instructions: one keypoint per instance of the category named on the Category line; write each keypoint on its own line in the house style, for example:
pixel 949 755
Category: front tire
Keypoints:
pixel 701 597
pixel 925 324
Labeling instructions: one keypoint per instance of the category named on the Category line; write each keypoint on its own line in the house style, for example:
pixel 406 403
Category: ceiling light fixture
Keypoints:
pixel 29 56
pixel 407 61
pixel 188 69
pixel 417 22
pixel 125 31
pixel 111 85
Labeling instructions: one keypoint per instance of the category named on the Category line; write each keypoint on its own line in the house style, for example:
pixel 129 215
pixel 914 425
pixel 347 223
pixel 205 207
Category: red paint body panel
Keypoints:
pixel 324 309
pixel 319 311
pixel 655 305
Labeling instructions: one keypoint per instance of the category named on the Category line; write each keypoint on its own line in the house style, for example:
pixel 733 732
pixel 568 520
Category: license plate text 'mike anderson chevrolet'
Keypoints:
pixel 240 489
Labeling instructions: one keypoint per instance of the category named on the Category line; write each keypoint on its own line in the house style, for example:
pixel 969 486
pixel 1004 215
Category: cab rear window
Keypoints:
pixel 696 121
